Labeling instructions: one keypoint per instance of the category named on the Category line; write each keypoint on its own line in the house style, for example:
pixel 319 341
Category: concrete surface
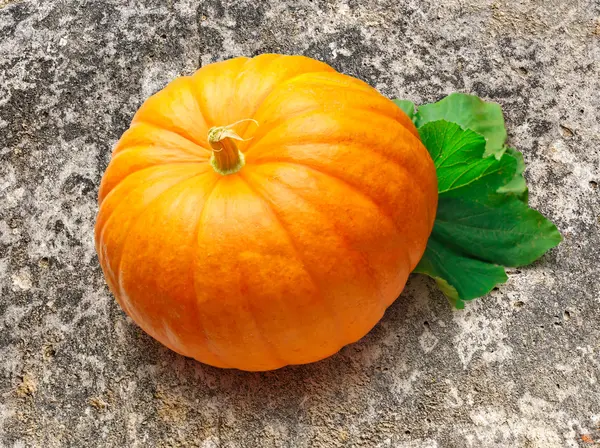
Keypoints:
pixel 519 368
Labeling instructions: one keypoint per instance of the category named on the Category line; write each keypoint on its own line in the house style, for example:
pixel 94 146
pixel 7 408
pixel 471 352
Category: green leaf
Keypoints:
pixel 469 112
pixel 459 277
pixel 482 221
pixel 407 106
pixel 506 232
pixel 457 155
pixel 517 185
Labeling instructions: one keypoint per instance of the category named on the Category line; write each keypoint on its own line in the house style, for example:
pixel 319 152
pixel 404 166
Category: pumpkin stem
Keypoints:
pixel 226 157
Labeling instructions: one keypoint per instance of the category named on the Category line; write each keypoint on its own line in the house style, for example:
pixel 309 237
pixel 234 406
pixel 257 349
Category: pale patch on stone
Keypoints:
pixel 22 280
pixel 132 423
pixel 14 197
pixel 370 356
pixel 477 333
pixel 8 235
pixel 453 399
pixel 488 415
pixel 501 353
pixel 537 424
pixel 335 50
pixel 403 386
pixel 13 314
pixel 427 341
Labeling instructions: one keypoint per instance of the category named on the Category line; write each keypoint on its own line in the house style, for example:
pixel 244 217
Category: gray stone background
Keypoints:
pixel 518 368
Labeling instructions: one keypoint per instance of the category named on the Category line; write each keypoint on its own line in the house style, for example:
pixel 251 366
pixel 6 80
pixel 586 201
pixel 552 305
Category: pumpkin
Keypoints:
pixel 264 212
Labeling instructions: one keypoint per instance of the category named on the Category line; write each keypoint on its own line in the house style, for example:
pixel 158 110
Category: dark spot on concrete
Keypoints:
pixel 352 41
pixel 76 183
pixel 248 16
pixel 566 131
pixel 211 9
pixel 540 127
pixel 211 40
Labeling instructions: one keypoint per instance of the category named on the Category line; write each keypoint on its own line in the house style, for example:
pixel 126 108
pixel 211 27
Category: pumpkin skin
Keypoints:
pixel 289 259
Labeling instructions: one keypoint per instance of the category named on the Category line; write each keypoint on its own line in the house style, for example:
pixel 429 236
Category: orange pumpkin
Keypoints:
pixel 264 212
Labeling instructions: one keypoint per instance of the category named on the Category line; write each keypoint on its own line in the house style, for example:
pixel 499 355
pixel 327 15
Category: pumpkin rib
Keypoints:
pixel 274 87
pixel 119 146
pixel 413 141
pixel 355 189
pixel 138 172
pixel 135 220
pixel 163 325
pixel 267 344
pixel 320 169
pixel 317 142
pixel 276 159
pixel 291 80
pixel 172 126
pixel 211 88
pixel 253 143
pixel 343 237
pixel 196 307
pixel 240 75
pixel 150 166
pixel 332 315
pixel 300 113
pixel 356 88
pixel 111 216
pixel 172 130
pixel 144 184
pixel 272 126
pixel 370 148
pixel 333 80
pixel 201 109
pixel 141 148
pixel 153 165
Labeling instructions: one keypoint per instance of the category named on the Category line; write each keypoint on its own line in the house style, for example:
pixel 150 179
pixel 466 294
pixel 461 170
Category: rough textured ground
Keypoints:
pixel 519 368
